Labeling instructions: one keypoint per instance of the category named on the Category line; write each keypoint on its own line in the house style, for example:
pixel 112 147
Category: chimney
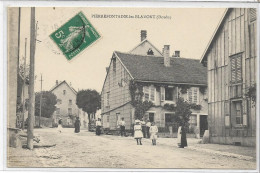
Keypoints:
pixel 177 53
pixel 57 82
pixel 143 35
pixel 166 57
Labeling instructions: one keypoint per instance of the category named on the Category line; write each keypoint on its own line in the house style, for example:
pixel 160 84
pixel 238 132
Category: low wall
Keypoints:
pixel 46 122
pixel 244 141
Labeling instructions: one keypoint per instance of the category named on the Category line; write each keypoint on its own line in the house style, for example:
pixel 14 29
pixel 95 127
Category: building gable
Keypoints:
pixel 144 47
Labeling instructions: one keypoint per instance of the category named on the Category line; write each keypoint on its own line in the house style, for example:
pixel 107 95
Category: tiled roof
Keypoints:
pixel 152 69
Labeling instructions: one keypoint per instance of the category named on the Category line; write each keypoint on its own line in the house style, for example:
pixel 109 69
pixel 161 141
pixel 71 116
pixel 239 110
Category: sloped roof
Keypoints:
pixel 56 86
pixel 220 25
pixel 152 69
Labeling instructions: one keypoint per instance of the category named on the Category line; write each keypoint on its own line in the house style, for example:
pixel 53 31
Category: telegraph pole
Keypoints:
pixel 31 83
pixel 40 103
pixel 24 75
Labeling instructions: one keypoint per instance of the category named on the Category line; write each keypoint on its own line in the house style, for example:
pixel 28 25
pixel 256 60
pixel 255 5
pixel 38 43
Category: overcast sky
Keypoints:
pixel 188 30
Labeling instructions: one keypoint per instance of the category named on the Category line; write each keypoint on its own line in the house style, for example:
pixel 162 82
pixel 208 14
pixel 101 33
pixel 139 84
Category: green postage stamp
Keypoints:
pixel 75 36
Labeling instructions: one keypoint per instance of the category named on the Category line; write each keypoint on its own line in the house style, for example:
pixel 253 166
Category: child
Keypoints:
pixel 153 131
pixel 138 132
pixel 60 126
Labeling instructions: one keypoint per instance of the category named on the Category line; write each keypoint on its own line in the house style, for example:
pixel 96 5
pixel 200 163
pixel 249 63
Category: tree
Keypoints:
pixel 49 100
pixel 183 112
pixel 89 101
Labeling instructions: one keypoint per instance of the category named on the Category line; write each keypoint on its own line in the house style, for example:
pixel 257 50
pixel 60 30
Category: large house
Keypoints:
pixel 163 79
pixel 231 61
pixel 66 108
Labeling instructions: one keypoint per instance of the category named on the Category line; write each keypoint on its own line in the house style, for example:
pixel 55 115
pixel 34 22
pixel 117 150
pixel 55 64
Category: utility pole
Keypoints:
pixel 40 103
pixel 24 75
pixel 31 83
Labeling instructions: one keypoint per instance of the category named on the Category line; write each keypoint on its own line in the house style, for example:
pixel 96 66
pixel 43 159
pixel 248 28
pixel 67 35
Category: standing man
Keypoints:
pixel 122 127
pixel 143 127
pixel 148 125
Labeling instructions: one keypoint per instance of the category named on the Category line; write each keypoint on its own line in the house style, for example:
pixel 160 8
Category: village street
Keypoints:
pixel 106 151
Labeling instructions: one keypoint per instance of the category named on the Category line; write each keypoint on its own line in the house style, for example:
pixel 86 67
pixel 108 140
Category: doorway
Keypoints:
pixel 151 117
pixel 203 124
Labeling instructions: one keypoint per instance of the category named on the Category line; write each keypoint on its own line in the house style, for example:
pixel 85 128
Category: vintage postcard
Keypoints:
pixel 128 87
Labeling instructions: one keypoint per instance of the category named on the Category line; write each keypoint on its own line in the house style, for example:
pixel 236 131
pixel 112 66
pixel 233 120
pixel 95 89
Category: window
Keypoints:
pixel 162 93
pixel 108 118
pixel 70 111
pixel 236 76
pixel 64 92
pixel 169 93
pixel 107 95
pixel 57 111
pixel 193 95
pixel 70 102
pixel 150 52
pixel 149 93
pixel 169 118
pixel 237 112
pixel 151 117
pixel 59 101
pixel 193 120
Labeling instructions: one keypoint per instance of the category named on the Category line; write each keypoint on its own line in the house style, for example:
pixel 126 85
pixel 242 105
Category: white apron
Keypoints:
pixel 179 137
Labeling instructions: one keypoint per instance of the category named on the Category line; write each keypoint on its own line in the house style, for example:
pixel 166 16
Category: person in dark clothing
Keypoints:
pixel 77 125
pixel 143 128
pixel 183 138
pixel 98 127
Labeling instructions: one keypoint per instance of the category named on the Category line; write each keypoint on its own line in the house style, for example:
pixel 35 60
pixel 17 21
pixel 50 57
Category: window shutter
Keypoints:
pixel 239 69
pixel 152 93
pixel 189 94
pixel 227 114
pixel 195 95
pixel 162 93
pixel 252 14
pixel 245 102
pixel 233 69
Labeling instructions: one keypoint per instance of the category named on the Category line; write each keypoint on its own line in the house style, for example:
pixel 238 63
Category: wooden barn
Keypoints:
pixel 231 60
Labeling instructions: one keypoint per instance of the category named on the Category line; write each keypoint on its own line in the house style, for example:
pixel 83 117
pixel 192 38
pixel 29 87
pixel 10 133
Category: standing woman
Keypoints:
pixel 183 137
pixel 77 125
pixel 153 131
pixel 138 132
pixel 60 126
pixel 98 127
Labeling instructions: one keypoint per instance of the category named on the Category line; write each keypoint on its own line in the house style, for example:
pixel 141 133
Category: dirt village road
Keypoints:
pixel 85 149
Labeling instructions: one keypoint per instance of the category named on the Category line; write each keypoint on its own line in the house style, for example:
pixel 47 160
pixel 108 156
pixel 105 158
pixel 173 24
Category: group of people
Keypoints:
pixel 141 129
pixel 77 125
pixel 150 130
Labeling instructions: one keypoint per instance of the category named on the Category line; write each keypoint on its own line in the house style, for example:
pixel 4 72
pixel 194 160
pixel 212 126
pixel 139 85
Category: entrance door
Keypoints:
pixel 151 117
pixel 203 124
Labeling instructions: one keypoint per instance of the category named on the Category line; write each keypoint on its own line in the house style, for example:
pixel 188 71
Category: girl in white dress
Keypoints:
pixel 138 132
pixel 153 133
pixel 60 126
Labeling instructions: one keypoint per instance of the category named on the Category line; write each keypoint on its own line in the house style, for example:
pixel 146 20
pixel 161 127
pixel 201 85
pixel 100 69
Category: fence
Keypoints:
pixel 46 122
